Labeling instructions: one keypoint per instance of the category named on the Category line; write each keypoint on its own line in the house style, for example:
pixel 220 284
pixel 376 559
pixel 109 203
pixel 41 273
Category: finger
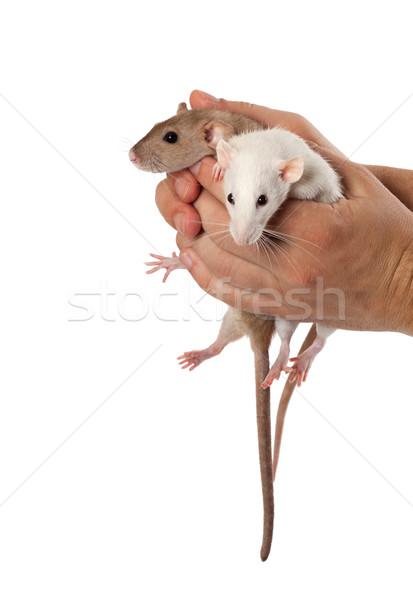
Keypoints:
pixel 354 176
pixel 229 266
pixel 180 215
pixel 240 298
pixel 214 215
pixel 186 186
pixel 268 117
pixel 203 171
pixel 270 254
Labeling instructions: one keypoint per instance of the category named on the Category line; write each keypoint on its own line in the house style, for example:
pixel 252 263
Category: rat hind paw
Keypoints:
pixel 162 262
pixel 274 373
pixel 300 369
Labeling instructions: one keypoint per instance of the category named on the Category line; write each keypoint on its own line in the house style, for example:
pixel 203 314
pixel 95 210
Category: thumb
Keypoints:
pixel 265 116
pixel 268 117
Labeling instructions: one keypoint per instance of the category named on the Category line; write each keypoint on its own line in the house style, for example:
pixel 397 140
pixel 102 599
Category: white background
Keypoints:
pixel 121 475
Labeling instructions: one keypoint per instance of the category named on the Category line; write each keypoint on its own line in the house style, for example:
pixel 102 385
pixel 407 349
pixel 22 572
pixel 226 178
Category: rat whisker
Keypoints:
pixel 218 232
pixel 285 254
pixel 277 236
pixel 188 183
pixel 291 214
pixel 125 142
pixel 292 243
pixel 262 241
pixel 272 232
pixel 216 223
pixel 269 251
pixel 220 240
pixel 160 167
pixel 262 245
pixel 125 138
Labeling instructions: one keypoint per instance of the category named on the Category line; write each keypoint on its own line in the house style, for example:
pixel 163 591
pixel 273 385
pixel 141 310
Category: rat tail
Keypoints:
pixel 264 445
pixel 284 401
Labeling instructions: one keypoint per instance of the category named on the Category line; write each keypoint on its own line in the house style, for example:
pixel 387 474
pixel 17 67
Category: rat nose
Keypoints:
pixel 241 239
pixel 245 237
pixel 133 157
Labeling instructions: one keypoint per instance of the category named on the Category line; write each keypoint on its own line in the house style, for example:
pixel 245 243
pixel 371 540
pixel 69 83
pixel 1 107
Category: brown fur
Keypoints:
pixel 261 332
pixel 156 155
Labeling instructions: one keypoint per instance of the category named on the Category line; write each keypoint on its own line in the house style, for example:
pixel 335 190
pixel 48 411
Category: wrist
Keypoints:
pixel 400 297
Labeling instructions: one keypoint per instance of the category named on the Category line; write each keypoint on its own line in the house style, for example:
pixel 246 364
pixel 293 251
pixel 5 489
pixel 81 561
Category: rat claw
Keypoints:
pixel 217 172
pixel 158 256
pixel 300 370
pixel 275 372
pixel 190 359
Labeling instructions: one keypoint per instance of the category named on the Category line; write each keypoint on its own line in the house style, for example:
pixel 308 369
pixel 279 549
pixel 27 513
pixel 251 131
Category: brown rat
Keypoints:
pixel 185 138
pixel 176 144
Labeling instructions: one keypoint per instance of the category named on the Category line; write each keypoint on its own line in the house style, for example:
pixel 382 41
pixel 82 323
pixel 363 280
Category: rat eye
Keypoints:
pixel 170 137
pixel 262 200
pixel 230 199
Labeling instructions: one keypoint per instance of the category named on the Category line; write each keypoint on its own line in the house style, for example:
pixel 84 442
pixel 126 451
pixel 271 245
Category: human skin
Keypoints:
pixel 398 181
pixel 361 248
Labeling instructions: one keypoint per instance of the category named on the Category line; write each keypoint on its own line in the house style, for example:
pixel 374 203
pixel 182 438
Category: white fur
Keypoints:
pixel 257 164
pixel 255 169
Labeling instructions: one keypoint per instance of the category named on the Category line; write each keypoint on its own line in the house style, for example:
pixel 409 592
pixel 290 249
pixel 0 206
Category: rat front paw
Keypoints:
pixel 192 359
pixel 162 262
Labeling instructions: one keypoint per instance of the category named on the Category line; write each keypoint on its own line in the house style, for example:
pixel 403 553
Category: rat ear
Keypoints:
pixel 217 130
pixel 225 153
pixel 182 107
pixel 291 170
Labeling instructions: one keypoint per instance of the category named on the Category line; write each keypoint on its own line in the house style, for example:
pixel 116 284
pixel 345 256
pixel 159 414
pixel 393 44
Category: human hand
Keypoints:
pixel 177 193
pixel 361 247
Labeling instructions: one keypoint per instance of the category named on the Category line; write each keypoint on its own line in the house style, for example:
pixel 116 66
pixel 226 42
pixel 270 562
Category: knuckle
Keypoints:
pixel 161 188
pixel 300 119
pixel 247 106
pixel 180 241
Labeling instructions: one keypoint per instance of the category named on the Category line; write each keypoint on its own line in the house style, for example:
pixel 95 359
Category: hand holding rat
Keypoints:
pixel 362 247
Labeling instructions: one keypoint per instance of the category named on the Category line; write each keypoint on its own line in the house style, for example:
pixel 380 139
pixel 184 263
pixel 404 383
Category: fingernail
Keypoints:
pixel 186 260
pixel 179 222
pixel 209 97
pixel 195 168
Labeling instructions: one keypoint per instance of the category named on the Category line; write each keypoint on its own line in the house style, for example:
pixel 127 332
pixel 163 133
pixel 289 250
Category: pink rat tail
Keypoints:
pixel 284 402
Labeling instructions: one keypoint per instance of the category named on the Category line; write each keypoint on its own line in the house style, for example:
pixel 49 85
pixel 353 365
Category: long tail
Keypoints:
pixel 264 444
pixel 284 401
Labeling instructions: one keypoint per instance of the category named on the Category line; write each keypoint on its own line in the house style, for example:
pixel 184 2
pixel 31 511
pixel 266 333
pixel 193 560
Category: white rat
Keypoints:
pixel 261 170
